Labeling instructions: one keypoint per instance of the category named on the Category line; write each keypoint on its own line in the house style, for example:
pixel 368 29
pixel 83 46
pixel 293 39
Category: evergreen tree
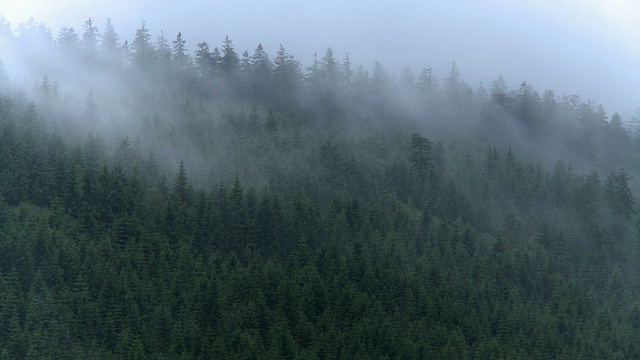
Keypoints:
pixel 527 107
pixel 216 60
pixel 143 51
pixel 346 250
pixel 329 67
pixel 124 155
pixel 181 185
pixel 499 91
pixel 261 73
pixel 126 54
pixel 619 195
pixel 90 41
pixel 287 77
pixel 181 59
pixel 229 61
pixel 245 65
pixel 36 35
pixel 110 47
pixel 453 84
pixel 91 108
pixel 204 60
pixel 347 74
pixel 312 75
pixel 421 155
pixel 618 131
pixel 286 67
pixel 262 66
pixel 68 42
pixel 427 81
pixel 163 52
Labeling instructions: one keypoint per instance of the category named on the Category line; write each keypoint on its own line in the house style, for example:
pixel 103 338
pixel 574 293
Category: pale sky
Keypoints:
pixel 586 47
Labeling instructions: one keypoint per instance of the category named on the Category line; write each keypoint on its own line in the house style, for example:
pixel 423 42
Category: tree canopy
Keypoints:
pixel 211 206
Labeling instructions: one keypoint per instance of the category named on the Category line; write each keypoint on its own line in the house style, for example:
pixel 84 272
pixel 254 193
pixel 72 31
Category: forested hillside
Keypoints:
pixel 162 204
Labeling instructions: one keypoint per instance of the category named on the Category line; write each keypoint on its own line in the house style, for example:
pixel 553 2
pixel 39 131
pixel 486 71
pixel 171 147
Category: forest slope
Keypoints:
pixel 229 207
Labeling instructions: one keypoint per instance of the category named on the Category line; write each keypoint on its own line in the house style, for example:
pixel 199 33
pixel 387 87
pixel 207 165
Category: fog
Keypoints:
pixel 163 197
pixel 506 76
pixel 573 47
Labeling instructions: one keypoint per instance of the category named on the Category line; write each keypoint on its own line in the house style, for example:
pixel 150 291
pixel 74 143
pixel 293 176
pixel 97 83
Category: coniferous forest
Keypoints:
pixel 161 203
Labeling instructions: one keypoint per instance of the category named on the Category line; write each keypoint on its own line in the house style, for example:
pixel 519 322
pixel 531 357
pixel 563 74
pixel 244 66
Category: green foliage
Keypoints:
pixel 300 239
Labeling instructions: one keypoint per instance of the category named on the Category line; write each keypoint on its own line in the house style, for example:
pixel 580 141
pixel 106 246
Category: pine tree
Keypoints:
pixel 143 52
pixel 68 42
pixel 616 126
pixel 619 195
pixel 421 155
pixel 90 108
pixel 427 82
pixel 90 41
pixel 347 75
pixel 285 65
pixel 124 155
pixel 261 73
pixel 229 62
pixel 182 185
pixel 260 63
pixel 329 67
pixel 453 83
pixel 287 76
pixel 379 83
pixel 216 61
pixel 110 47
pixel 37 35
pixel 245 66
pixel 163 52
pixel 126 54
pixel 204 60
pixel 527 106
pixel 181 59
pixel 499 91
pixel 313 72
pixel 237 216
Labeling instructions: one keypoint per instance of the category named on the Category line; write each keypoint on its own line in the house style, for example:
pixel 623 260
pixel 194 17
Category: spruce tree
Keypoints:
pixel 181 59
pixel 90 41
pixel 110 47
pixel 143 51
pixel 229 61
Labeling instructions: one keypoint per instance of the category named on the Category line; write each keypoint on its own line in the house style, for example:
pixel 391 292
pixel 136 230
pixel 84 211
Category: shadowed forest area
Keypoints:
pixel 157 203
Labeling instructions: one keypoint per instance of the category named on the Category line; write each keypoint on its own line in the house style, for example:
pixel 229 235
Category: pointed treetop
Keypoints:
pixel 181 185
pixel 110 41
pixel 90 39
pixel 163 51
pixel 142 47
pixel 180 56
pixel 68 40
pixel 229 61
pixel 260 61
pixel 427 80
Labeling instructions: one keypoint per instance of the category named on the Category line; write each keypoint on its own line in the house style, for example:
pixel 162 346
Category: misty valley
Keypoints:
pixel 158 202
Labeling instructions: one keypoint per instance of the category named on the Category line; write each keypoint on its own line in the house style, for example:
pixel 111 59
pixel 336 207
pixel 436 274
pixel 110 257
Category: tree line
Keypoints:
pixel 250 209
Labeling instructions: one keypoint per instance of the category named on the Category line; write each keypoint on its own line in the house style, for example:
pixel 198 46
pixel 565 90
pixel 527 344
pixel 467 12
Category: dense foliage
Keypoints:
pixel 317 215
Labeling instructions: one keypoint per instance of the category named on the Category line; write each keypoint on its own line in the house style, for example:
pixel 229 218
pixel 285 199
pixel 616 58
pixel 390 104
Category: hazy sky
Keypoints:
pixel 587 47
